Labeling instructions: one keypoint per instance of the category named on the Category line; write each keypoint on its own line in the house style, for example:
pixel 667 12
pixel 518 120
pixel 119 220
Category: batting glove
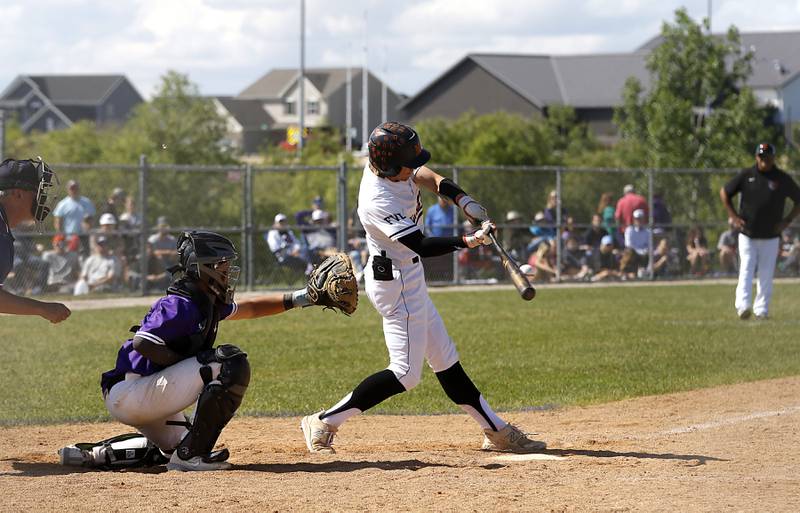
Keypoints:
pixel 480 237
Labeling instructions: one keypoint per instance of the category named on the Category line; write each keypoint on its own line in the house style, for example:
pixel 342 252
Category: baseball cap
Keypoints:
pixel 607 240
pixel 73 183
pixel 765 149
pixel 59 239
pixel 118 192
pixel 107 218
pixel 281 217
pixel 19 174
pixel 318 215
pixel 317 201
pixel 162 221
pixel 513 215
pixel 638 213
pixel 102 240
pixel 628 188
pixel 539 217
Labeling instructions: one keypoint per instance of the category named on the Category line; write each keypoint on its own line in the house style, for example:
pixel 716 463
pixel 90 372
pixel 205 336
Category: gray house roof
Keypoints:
pixel 583 81
pixel 274 84
pixel 248 113
pixel 77 89
pixel 776 59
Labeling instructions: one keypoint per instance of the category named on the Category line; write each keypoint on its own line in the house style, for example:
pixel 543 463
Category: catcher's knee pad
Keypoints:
pixel 218 401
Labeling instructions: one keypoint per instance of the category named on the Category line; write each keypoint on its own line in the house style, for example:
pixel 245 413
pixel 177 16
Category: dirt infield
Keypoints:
pixel 726 448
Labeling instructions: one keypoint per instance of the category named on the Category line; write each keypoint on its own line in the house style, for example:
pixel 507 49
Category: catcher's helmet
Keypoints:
pixel 393 146
pixel 201 255
pixel 31 175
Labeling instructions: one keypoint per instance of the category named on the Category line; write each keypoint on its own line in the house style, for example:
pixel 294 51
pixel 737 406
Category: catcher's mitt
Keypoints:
pixel 333 284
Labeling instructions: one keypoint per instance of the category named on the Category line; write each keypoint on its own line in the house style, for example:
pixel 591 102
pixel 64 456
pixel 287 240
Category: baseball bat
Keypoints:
pixel 524 287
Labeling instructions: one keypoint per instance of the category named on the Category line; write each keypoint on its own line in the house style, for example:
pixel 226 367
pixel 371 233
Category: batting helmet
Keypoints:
pixel 393 146
pixel 201 255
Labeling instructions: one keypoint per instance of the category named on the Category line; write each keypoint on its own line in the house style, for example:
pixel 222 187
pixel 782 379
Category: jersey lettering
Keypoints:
pixel 395 217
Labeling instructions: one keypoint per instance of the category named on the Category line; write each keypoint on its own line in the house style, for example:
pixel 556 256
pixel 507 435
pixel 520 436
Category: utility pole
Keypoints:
pixel 301 107
pixel 365 90
pixel 2 135
pixel 709 16
pixel 384 114
pixel 348 109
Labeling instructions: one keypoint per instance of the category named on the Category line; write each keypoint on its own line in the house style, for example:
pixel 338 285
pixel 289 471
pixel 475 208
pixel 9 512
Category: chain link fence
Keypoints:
pixel 552 218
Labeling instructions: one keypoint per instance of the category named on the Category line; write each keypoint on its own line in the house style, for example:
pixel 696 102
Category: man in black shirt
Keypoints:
pixel 760 221
pixel 24 187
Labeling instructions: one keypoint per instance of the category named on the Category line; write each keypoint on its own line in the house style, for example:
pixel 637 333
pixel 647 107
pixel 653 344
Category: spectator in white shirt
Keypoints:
pixel 637 244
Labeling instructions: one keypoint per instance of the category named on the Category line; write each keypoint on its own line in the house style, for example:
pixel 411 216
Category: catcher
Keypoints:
pixel 171 363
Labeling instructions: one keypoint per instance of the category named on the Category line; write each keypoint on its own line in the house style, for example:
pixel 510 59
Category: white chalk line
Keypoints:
pixel 528 457
pixel 728 422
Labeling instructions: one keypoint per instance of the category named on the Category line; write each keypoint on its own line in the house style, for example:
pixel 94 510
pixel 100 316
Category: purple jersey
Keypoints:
pixel 170 318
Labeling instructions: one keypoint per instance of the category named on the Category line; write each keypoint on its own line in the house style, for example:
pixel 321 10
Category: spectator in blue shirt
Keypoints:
pixel 439 219
pixel 73 214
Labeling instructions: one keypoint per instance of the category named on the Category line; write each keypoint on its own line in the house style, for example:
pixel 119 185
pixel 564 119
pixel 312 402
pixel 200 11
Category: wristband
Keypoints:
pixel 288 304
pixel 448 188
pixel 300 298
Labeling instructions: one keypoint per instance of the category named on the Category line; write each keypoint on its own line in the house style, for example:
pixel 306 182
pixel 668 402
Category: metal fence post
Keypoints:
pixel 341 207
pixel 248 226
pixel 650 272
pixel 2 135
pixel 143 226
pixel 558 224
pixel 456 269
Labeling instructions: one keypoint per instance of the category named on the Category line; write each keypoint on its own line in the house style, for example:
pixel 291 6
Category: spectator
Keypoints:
pixel 568 228
pixel 303 217
pixel 574 263
pixel 606 212
pixel 163 246
pixel 661 216
pixel 284 245
pixel 540 233
pixel 594 235
pixel 73 214
pixel 627 205
pixel 665 259
pixel 605 262
pixel 108 228
pixel 637 243
pixel 101 272
pixel 544 261
pixel 62 266
pixel 129 219
pixel 789 257
pixel 551 210
pixel 697 251
pixel 728 251
pixel 115 203
pixel 319 240
pixel 440 218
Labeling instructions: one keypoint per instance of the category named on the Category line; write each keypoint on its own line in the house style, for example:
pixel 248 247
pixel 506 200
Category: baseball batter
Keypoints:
pixel 391 212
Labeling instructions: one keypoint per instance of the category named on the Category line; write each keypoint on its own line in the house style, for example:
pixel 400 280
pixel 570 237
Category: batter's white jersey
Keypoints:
pixel 412 327
pixel 389 210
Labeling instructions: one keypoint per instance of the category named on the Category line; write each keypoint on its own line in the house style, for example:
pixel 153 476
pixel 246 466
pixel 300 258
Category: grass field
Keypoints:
pixel 569 346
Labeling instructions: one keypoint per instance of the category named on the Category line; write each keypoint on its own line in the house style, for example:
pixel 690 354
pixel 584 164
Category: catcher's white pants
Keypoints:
pixel 757 257
pixel 148 402
pixel 412 327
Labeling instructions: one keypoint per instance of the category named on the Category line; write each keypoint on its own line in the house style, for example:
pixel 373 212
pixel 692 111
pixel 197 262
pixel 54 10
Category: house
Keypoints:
pixel 53 102
pixel 325 92
pixel 528 85
pixel 249 127
pixel 592 84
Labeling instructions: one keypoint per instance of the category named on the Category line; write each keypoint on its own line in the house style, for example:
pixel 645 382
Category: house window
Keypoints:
pixel 288 108
pixel 312 108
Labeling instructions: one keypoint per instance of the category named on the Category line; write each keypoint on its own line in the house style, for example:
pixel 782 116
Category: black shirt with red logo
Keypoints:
pixel 763 199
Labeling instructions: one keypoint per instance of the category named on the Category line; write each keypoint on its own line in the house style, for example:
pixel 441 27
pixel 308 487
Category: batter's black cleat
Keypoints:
pixel 745 314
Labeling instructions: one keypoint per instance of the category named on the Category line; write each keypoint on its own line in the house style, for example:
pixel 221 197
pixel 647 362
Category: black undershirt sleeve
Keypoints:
pixel 431 246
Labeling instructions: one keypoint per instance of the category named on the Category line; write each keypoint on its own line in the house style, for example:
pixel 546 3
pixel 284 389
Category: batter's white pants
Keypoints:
pixel 412 327
pixel 148 402
pixel 757 257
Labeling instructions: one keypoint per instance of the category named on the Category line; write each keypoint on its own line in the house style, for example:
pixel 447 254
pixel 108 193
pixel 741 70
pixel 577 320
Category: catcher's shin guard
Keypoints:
pixel 218 401
pixel 122 451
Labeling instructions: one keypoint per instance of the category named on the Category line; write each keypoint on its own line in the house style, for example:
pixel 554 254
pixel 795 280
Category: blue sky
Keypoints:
pixel 224 45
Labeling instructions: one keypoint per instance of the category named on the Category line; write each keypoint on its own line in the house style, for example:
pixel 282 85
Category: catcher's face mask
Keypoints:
pixel 46 193
pixel 207 257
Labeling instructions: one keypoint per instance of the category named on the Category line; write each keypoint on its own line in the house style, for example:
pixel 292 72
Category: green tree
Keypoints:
pixel 697 113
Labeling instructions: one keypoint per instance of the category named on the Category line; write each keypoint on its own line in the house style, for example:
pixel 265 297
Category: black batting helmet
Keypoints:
pixel 393 146
pixel 200 253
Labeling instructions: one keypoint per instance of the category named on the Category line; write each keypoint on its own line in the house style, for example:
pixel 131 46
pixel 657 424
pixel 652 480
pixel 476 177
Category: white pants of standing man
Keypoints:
pixel 756 256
